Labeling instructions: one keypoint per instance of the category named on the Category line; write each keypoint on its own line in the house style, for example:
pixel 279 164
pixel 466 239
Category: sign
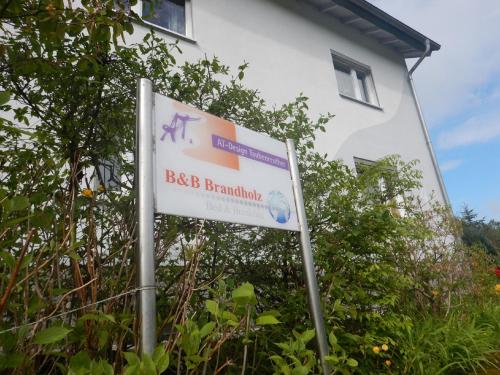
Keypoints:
pixel 208 167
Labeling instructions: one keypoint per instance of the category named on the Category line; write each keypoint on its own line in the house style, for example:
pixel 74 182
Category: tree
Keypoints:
pixel 478 232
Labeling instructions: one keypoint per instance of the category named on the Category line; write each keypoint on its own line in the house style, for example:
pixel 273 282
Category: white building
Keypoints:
pixel 347 56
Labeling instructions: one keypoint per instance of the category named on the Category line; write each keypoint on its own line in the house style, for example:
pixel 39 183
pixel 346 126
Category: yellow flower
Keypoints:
pixel 497 288
pixel 376 349
pixel 435 293
pixel 50 9
pixel 388 362
pixel 385 347
pixel 101 188
pixel 87 193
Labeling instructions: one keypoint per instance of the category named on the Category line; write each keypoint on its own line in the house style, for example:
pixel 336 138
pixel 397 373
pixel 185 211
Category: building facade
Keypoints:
pixel 347 56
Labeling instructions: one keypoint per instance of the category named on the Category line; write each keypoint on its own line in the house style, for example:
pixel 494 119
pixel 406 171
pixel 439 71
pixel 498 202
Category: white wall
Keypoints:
pixel 287 44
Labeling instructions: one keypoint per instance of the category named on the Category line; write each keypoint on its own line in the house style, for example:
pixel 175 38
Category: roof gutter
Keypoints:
pixel 442 187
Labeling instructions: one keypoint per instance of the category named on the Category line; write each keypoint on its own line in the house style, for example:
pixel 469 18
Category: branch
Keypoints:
pixel 13 276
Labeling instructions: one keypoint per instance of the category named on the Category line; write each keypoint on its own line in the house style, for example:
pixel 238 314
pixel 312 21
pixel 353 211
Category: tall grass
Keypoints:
pixel 462 343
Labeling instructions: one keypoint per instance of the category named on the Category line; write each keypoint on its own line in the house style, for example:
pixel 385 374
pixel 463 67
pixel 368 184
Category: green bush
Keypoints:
pixel 400 294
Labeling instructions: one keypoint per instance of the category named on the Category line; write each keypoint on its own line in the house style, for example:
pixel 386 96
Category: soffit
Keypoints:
pixel 375 23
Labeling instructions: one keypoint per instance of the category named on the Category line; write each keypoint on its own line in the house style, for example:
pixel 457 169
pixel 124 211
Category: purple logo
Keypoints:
pixel 177 124
pixel 248 152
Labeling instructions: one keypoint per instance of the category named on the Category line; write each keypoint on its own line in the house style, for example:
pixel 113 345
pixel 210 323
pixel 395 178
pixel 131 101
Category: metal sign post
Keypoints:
pixel 307 257
pixel 207 167
pixel 146 299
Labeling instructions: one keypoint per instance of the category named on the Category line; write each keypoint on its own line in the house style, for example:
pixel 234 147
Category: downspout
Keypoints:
pixel 442 187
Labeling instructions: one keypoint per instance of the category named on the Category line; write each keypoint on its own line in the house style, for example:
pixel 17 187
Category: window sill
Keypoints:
pixel 168 32
pixel 361 102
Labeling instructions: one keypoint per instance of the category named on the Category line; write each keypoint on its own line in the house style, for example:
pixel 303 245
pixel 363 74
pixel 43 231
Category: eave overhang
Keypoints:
pixel 377 24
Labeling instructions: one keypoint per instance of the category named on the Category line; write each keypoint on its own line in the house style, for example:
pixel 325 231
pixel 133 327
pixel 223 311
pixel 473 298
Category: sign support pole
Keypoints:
pixel 146 296
pixel 307 257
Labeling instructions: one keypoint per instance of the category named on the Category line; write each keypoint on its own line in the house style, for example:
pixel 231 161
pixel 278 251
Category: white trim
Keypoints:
pixel 189 20
pixel 374 106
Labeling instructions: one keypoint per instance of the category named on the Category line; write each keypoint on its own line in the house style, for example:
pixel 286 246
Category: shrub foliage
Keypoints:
pixel 400 293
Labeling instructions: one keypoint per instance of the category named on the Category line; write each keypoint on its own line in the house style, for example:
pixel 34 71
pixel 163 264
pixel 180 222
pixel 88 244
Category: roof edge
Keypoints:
pixel 385 21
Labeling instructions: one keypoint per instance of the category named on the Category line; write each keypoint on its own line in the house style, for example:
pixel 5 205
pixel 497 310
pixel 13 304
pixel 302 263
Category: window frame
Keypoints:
pixel 188 12
pixel 356 69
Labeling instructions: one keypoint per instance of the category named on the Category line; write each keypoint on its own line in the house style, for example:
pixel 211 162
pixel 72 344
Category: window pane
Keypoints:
pixel 361 81
pixel 170 14
pixel 344 80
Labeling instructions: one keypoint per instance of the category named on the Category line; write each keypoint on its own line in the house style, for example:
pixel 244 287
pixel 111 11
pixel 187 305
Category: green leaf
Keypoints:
pixel 244 294
pixel 275 313
pixel 8 340
pixel 308 335
pixel 8 258
pixel 354 338
pixel 207 329
pixel 4 97
pixel 300 370
pixel 17 203
pixel 26 261
pixel 229 316
pixel 102 336
pixel 51 335
pixel 232 323
pixel 12 360
pixel 332 339
pixel 284 346
pixel 333 359
pixel 13 222
pixel 131 358
pixel 147 365
pixel 212 307
pixel 266 320
pixel 161 359
pixel 73 255
pixel 351 362
pixel 104 368
pixel 43 220
pixel 98 317
pixel 79 361
pixel 278 360
pixel 132 369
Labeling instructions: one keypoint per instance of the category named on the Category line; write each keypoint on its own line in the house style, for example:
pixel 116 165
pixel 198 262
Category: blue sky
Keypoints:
pixel 459 89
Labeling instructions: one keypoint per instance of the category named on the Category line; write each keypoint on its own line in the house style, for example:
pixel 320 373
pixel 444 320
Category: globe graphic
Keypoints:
pixel 278 207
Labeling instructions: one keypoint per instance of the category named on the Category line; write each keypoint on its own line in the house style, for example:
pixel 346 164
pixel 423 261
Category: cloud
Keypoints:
pixel 453 80
pixel 450 165
pixel 479 129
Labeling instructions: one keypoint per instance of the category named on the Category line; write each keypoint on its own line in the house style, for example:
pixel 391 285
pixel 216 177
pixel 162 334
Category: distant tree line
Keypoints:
pixel 476 231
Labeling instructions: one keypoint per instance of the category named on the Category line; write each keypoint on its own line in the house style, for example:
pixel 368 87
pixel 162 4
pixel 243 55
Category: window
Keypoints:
pixel 354 79
pixel 382 188
pixel 108 175
pixel 169 15
pixel 362 166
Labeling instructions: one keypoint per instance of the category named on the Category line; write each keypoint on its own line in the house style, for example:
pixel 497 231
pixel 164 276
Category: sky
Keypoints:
pixel 459 90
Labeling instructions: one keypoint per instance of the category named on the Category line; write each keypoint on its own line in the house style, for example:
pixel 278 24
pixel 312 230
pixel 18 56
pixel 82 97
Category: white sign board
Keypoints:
pixel 207 167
